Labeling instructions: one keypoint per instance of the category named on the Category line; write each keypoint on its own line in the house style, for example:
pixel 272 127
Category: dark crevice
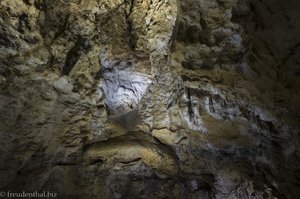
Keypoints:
pixel 7 40
pixel 96 161
pixel 23 23
pixel 157 140
pixel 132 34
pixel 211 104
pixel 174 34
pixel 130 161
pixel 61 29
pixel 74 54
pixel 127 88
pixel 27 2
pixel 41 5
pixel 190 109
pixel 44 6
pixel 66 164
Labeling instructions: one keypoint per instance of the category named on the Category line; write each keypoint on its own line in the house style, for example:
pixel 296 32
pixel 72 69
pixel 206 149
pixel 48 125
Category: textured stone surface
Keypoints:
pixel 150 98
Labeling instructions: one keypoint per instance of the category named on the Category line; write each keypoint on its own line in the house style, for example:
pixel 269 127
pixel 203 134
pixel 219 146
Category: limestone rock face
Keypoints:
pixel 150 98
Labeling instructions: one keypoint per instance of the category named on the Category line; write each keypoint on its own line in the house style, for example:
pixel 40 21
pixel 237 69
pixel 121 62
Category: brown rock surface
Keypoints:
pixel 150 98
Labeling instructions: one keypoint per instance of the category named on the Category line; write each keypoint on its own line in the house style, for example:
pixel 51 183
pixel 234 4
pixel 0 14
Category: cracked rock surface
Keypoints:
pixel 150 98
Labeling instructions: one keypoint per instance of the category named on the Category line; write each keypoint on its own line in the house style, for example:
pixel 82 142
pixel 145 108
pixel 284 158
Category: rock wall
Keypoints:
pixel 150 98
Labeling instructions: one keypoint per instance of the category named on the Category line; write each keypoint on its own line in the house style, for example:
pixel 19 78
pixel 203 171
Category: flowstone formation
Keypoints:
pixel 150 98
